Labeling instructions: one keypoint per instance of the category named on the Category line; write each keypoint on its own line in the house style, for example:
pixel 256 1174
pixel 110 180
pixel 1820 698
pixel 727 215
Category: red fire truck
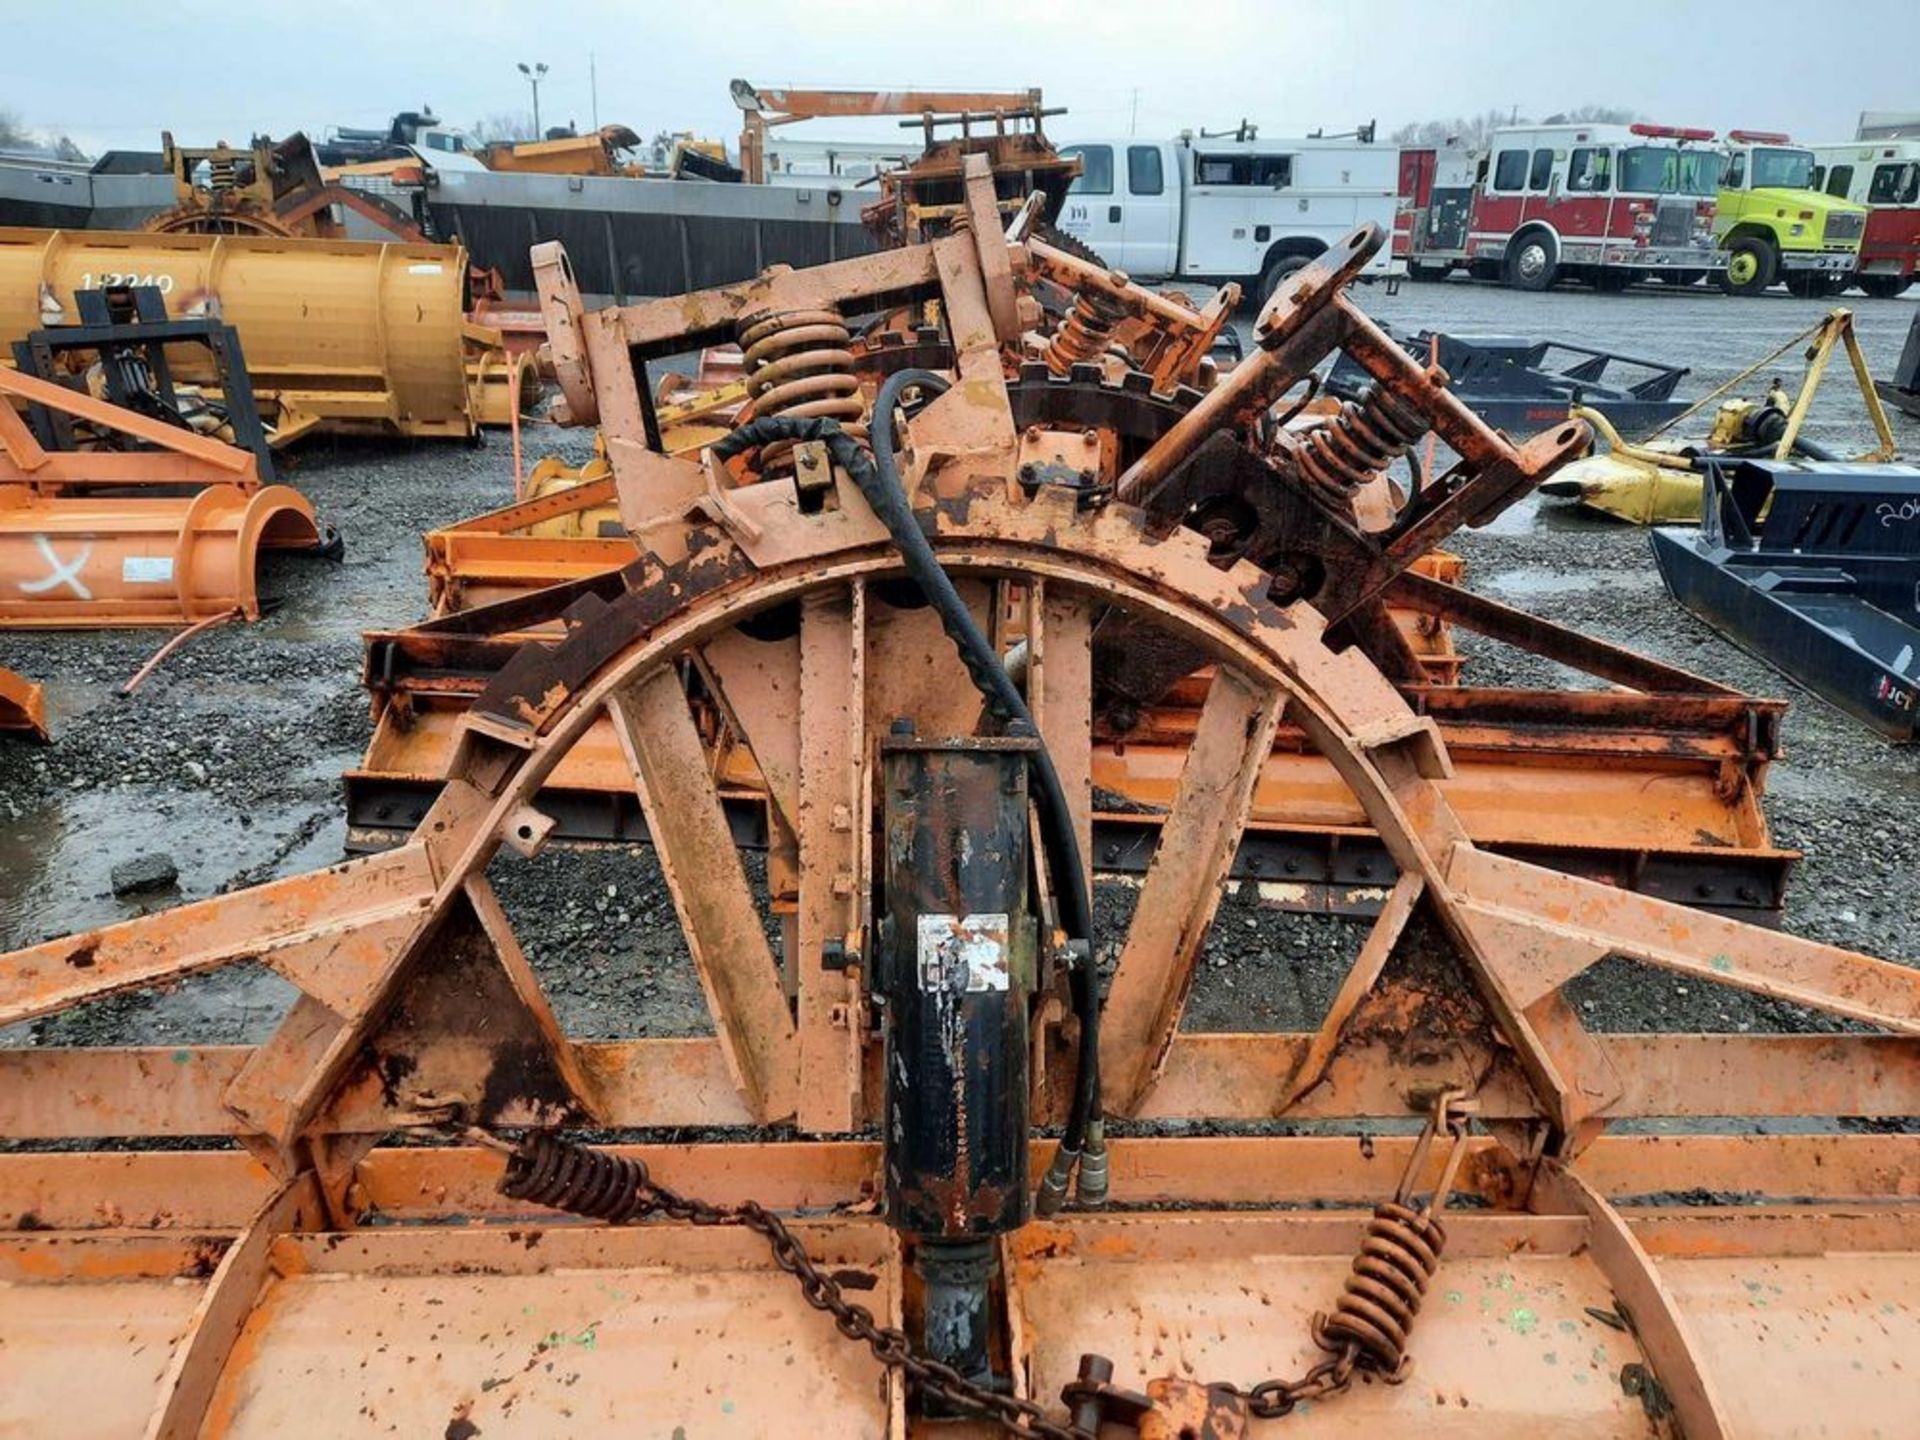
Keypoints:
pixel 1604 204
pixel 1884 176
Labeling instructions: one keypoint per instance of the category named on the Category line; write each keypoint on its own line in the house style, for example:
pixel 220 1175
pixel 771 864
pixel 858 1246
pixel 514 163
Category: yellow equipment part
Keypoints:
pixel 1658 482
pixel 346 336
pixel 1633 487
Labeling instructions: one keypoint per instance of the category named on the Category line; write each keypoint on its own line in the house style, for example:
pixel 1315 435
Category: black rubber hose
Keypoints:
pixel 879 482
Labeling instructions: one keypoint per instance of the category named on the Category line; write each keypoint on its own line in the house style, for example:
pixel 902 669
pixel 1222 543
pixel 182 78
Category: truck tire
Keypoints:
pixel 1884 287
pixel 1533 261
pixel 1752 266
pixel 1275 275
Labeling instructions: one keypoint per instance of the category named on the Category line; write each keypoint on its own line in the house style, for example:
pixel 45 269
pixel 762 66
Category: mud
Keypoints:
pixel 229 758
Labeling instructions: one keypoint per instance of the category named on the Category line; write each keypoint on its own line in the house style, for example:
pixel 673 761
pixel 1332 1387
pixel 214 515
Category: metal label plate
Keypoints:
pixel 968 953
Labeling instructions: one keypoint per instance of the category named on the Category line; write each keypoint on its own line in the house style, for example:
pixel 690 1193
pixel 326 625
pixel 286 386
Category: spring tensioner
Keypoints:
pixel 799 363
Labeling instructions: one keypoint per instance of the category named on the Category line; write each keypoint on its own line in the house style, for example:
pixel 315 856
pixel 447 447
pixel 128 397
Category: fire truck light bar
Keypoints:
pixel 1670 132
pixel 1759 137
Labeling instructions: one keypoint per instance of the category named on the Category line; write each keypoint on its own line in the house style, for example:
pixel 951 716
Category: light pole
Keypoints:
pixel 535 73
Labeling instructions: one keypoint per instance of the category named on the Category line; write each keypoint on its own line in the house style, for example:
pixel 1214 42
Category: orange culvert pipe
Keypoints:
pixel 77 562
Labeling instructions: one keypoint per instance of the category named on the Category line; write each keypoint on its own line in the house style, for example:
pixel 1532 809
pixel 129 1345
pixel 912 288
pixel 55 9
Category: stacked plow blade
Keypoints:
pixel 1652 779
pixel 168 531
pixel 928 1161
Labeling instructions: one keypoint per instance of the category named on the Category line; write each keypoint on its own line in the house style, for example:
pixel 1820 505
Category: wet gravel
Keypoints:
pixel 228 760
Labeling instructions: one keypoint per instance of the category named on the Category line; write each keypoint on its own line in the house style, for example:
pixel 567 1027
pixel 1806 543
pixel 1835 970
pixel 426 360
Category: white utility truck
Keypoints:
pixel 1214 210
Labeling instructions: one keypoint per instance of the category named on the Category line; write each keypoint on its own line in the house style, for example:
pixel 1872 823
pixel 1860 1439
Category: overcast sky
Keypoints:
pixel 112 74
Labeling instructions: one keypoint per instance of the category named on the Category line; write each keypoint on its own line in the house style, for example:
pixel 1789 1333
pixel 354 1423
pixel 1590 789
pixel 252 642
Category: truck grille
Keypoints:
pixel 1845 226
pixel 1672 223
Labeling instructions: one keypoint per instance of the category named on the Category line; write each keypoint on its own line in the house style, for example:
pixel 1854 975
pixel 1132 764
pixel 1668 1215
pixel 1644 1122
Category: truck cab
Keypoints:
pixel 1218 209
pixel 1884 176
pixel 1602 204
pixel 1775 225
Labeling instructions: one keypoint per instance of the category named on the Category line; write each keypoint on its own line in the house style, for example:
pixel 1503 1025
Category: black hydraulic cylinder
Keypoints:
pixel 956 976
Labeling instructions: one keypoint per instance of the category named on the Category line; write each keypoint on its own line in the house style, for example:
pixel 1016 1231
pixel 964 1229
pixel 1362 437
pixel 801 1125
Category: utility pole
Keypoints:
pixel 535 73
pixel 593 90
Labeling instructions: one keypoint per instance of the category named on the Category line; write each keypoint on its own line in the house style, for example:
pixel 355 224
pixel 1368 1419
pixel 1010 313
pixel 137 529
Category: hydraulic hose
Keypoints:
pixel 878 480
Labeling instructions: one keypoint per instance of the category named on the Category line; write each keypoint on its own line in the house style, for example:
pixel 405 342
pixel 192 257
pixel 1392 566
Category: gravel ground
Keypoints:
pixel 228 760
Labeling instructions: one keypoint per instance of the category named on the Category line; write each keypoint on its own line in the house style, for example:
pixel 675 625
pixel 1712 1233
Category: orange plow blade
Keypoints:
pixel 167 530
pixel 85 561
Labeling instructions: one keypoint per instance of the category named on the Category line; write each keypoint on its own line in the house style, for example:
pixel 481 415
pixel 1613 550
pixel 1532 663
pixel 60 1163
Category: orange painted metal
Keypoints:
pixel 76 551
pixel 23 706
pixel 334 1254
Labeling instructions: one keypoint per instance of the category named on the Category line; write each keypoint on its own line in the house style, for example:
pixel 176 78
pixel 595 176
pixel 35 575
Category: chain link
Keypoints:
pixel 590 1182
pixel 888 1345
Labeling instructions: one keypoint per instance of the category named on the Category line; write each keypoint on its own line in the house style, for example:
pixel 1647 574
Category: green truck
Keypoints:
pixel 1775 227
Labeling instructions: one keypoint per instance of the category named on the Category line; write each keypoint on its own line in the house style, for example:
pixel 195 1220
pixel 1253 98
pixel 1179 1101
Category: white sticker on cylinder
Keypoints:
pixel 426 268
pixel 965 952
pixel 146 570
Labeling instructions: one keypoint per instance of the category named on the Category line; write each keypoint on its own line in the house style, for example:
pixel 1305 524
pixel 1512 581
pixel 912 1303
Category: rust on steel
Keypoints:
pixel 291 1278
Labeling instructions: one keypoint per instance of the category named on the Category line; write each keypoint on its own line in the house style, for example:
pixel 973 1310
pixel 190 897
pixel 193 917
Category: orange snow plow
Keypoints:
pixel 952 1154
pixel 107 538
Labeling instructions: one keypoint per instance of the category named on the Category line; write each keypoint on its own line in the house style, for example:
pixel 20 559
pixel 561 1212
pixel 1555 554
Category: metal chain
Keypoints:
pixel 1270 1399
pixel 889 1346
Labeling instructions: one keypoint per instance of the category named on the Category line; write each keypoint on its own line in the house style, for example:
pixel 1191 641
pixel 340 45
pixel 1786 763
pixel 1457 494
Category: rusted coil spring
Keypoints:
pixel 1374 1316
pixel 799 363
pixel 592 1183
pixel 1362 440
pixel 1084 331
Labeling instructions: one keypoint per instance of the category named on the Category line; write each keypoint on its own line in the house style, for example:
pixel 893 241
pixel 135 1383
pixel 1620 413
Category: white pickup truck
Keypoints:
pixel 1216 210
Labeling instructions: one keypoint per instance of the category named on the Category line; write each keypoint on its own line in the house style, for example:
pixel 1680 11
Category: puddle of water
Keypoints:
pixel 56 860
pixel 1545 582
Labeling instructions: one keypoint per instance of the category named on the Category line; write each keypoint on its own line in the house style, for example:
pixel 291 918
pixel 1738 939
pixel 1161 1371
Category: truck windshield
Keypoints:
pixel 1782 169
pixel 1664 170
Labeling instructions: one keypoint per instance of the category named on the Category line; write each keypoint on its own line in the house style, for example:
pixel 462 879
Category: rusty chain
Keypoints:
pixel 597 1184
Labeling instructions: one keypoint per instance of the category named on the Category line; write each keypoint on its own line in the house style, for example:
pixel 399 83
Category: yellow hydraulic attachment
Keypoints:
pixel 1658 481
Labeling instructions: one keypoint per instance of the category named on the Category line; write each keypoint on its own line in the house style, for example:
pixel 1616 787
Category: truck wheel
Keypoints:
pixel 1884 287
pixel 1275 275
pixel 1532 263
pixel 1752 267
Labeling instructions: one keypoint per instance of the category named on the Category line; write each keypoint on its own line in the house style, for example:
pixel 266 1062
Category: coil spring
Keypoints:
pixel 563 1176
pixel 221 174
pixel 1362 440
pixel 799 363
pixel 1374 1315
pixel 1084 331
